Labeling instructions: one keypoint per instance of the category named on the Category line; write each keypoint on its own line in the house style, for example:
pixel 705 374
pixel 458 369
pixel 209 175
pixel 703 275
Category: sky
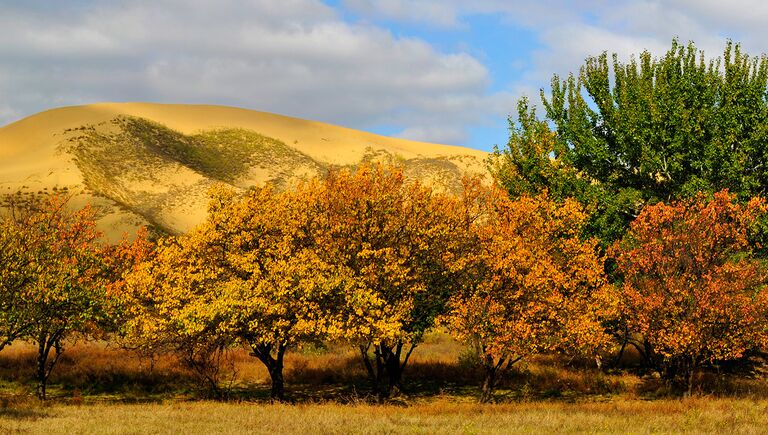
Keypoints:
pixel 447 71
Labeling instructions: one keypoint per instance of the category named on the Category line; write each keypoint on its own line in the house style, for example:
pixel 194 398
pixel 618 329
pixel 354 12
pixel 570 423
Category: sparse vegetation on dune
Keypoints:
pixel 151 164
pixel 159 172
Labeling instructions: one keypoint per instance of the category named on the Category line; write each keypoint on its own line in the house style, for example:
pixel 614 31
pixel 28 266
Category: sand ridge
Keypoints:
pixel 170 194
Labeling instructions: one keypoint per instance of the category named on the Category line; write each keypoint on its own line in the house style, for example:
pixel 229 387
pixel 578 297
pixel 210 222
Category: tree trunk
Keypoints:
pixel 274 366
pixel 386 369
pixel 689 370
pixel 489 382
pixel 689 383
pixel 45 343
pixel 493 371
pixel 620 355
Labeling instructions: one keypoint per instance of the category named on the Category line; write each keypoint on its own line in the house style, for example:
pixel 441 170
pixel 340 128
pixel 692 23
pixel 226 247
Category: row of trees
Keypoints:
pixel 374 260
pixel 603 231
pixel 623 138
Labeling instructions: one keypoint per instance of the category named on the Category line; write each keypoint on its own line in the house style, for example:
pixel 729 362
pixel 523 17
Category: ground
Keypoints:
pixel 442 415
pixel 99 388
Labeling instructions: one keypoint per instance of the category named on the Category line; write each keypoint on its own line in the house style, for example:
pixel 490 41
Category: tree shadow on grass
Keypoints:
pixel 21 407
pixel 30 414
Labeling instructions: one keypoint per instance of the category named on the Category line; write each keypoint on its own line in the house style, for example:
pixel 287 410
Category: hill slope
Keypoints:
pixel 152 164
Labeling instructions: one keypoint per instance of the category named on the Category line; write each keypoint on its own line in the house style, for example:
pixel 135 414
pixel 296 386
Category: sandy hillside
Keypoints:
pixel 152 164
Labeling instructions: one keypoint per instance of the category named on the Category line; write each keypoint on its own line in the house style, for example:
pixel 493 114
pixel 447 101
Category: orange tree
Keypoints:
pixel 691 286
pixel 249 274
pixel 391 239
pixel 530 283
pixel 54 278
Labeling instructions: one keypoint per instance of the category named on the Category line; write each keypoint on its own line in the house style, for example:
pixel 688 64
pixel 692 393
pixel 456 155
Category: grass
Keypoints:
pixel 99 388
pixel 703 415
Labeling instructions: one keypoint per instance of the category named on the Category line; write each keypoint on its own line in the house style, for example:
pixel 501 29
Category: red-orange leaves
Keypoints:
pixel 690 284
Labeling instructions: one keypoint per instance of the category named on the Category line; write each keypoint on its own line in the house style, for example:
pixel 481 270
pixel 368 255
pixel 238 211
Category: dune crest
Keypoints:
pixel 151 164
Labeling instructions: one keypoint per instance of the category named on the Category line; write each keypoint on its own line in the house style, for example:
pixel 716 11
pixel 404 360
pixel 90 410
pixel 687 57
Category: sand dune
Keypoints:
pixel 144 163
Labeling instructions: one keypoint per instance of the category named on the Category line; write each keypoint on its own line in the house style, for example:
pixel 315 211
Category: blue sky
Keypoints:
pixel 501 46
pixel 446 71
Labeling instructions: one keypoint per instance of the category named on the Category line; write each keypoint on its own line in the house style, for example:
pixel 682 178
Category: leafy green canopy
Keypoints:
pixel 619 135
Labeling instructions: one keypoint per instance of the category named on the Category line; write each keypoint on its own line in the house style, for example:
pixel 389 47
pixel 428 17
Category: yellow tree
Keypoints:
pixel 390 238
pixel 530 284
pixel 278 291
pixel 17 270
pixel 167 306
pixel 250 273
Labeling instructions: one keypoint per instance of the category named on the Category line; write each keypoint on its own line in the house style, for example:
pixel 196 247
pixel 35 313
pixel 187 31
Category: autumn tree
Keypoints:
pixel 691 287
pixel 390 238
pixel 530 283
pixel 250 273
pixel 17 270
pixel 54 278
pixel 168 305
pixel 278 291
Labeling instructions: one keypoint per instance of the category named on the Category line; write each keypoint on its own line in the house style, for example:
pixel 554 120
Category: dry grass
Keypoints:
pixel 437 416
pixel 99 372
pixel 102 389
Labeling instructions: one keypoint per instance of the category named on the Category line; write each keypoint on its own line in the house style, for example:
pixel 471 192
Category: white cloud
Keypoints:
pixel 569 31
pixel 296 57
pixel 301 58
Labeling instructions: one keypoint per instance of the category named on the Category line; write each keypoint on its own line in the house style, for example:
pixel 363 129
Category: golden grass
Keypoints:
pixel 438 416
pixel 99 388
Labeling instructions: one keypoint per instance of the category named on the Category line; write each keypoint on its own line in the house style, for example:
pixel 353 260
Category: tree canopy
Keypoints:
pixel 690 285
pixel 530 283
pixel 624 134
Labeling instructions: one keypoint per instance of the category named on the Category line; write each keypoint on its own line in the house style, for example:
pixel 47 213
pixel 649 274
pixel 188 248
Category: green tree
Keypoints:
pixel 649 130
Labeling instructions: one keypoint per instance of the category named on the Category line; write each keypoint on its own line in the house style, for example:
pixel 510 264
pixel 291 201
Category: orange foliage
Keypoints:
pixel 531 283
pixel 691 286
pixel 54 278
pixel 393 241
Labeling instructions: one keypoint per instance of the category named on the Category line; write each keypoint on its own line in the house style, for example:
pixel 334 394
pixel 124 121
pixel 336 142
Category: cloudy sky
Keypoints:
pixel 438 70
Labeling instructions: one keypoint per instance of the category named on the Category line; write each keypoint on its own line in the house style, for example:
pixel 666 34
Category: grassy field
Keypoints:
pixel 102 389
pixel 701 415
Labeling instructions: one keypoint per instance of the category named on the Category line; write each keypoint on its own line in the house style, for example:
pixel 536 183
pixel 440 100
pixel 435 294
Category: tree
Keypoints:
pixel 650 130
pixel 279 291
pixel 391 239
pixel 54 278
pixel 168 305
pixel 250 273
pixel 691 286
pixel 535 162
pixel 530 283
pixel 18 270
